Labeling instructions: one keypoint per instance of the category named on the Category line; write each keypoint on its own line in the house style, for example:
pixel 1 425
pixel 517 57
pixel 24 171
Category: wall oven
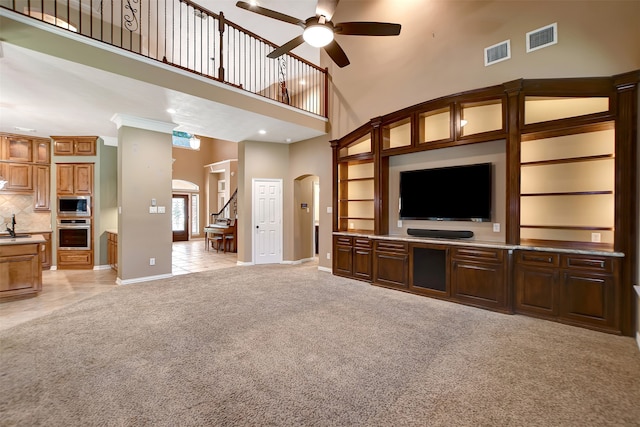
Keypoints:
pixel 74 234
pixel 74 206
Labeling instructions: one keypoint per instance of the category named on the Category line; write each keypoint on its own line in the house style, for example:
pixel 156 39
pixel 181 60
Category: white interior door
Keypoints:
pixel 267 221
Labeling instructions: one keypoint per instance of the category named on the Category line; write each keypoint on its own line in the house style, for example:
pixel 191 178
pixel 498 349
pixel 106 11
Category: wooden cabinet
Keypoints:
pixel 20 272
pixel 391 264
pixel 576 289
pixel 19 177
pixel 479 277
pixel 352 257
pixel 46 252
pixel 75 259
pixel 42 152
pixel 74 145
pixel 362 263
pixel 16 148
pixel 428 270
pixel 42 187
pixel 74 178
pixel 112 250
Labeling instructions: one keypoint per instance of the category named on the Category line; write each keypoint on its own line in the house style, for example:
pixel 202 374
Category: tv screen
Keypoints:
pixel 457 193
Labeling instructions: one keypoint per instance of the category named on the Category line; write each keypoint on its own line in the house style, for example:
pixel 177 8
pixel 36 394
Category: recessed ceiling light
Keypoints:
pixel 171 111
pixel 262 131
pixel 288 139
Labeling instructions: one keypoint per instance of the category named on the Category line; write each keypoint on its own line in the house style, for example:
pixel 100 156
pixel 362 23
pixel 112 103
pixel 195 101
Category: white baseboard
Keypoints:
pixel 119 281
pixel 101 267
pixel 54 267
pixel 244 263
pixel 298 262
pixel 326 269
pixel 638 339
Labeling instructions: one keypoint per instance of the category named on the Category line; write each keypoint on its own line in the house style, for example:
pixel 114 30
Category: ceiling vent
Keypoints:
pixel 497 52
pixel 542 37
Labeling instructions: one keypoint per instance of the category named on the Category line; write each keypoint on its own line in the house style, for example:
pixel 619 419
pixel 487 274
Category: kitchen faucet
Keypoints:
pixel 12 230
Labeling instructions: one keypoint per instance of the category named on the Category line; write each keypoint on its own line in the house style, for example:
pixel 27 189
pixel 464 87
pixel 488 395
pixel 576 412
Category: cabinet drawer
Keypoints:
pixel 586 262
pixel 362 243
pixel 396 247
pixel 484 254
pixel 343 241
pixel 538 258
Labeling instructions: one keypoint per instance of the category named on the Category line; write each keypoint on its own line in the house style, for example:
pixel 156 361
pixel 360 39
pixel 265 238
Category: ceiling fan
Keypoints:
pixel 319 31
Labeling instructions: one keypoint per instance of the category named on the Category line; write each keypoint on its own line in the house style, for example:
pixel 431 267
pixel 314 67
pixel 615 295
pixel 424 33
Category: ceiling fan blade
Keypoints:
pixel 326 8
pixel 270 13
pixel 291 44
pixel 337 54
pixel 367 29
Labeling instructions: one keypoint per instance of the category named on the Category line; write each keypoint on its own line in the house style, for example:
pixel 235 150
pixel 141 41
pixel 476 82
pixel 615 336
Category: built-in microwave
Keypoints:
pixel 74 205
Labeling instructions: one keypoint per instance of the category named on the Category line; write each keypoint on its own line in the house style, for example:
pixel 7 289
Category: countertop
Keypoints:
pixel 33 238
pixel 479 243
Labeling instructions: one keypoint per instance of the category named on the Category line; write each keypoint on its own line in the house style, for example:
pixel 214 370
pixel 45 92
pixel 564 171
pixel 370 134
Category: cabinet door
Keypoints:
pixel 19 177
pixel 45 252
pixel 362 263
pixel 42 178
pixel 17 149
pixel 588 299
pixel 41 152
pixel 391 264
pixel 64 179
pixel 85 147
pixel 83 178
pixel 63 147
pixel 536 291
pixel 342 262
pixel 75 260
pixel 478 283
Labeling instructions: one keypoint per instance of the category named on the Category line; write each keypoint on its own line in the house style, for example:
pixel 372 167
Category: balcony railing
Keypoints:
pixel 185 35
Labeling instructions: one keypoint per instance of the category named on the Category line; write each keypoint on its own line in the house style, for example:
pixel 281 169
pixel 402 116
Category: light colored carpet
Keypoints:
pixel 293 346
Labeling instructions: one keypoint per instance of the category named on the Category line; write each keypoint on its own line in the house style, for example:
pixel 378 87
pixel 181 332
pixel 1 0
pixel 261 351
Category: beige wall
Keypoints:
pixel 189 165
pixel 440 50
pixel 314 157
pixel 106 194
pixel 303 217
pixel 267 161
pixel 287 162
pixel 144 173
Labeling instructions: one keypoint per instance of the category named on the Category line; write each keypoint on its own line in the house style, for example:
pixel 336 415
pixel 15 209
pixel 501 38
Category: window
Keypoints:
pixel 185 140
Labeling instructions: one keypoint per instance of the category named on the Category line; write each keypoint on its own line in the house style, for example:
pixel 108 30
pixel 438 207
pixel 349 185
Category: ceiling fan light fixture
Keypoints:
pixel 318 35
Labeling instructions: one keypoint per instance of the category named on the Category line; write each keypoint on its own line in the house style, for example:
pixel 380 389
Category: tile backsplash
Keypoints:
pixel 26 219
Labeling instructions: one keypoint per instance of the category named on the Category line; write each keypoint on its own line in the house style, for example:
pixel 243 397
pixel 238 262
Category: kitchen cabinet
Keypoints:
pixel 20 267
pixel 16 148
pixel 42 187
pixel 74 145
pixel 112 250
pixel 19 177
pixel 75 259
pixel 74 178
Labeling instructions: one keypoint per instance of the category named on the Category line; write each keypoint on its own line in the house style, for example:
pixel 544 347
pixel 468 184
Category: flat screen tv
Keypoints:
pixel 457 193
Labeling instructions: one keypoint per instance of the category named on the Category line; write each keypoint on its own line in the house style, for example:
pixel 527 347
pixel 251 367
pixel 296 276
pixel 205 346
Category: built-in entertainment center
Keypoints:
pixel 519 198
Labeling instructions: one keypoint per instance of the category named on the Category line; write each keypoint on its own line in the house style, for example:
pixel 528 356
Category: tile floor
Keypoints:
pixel 64 287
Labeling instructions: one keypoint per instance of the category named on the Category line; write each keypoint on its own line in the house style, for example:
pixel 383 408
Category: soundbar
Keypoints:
pixel 441 234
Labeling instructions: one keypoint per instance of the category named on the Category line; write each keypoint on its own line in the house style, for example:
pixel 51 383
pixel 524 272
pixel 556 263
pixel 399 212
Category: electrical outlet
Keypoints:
pixel 352 225
pixel 152 261
pixel 496 227
pixel 595 237
pixel 329 209
pixel 399 224
pixel 328 255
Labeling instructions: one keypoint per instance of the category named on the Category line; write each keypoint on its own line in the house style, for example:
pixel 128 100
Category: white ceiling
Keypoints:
pixel 83 99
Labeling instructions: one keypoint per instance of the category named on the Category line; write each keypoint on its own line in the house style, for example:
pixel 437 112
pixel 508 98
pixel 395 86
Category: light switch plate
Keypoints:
pixel 329 209
pixel 153 209
pixel 161 209
pixel 496 227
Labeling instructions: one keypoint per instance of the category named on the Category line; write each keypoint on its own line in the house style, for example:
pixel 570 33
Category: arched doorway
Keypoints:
pixel 306 194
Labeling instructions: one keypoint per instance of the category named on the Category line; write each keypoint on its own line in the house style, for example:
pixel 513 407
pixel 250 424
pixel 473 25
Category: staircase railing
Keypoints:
pixel 188 36
pixel 229 210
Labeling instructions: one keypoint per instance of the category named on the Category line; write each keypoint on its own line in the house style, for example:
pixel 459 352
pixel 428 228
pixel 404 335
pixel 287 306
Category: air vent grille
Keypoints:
pixel 497 52
pixel 542 37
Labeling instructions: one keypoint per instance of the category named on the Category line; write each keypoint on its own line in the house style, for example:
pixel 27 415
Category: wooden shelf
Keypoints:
pixel 568 193
pixel 356 200
pixel 356 179
pixel 568 160
pixel 567 227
